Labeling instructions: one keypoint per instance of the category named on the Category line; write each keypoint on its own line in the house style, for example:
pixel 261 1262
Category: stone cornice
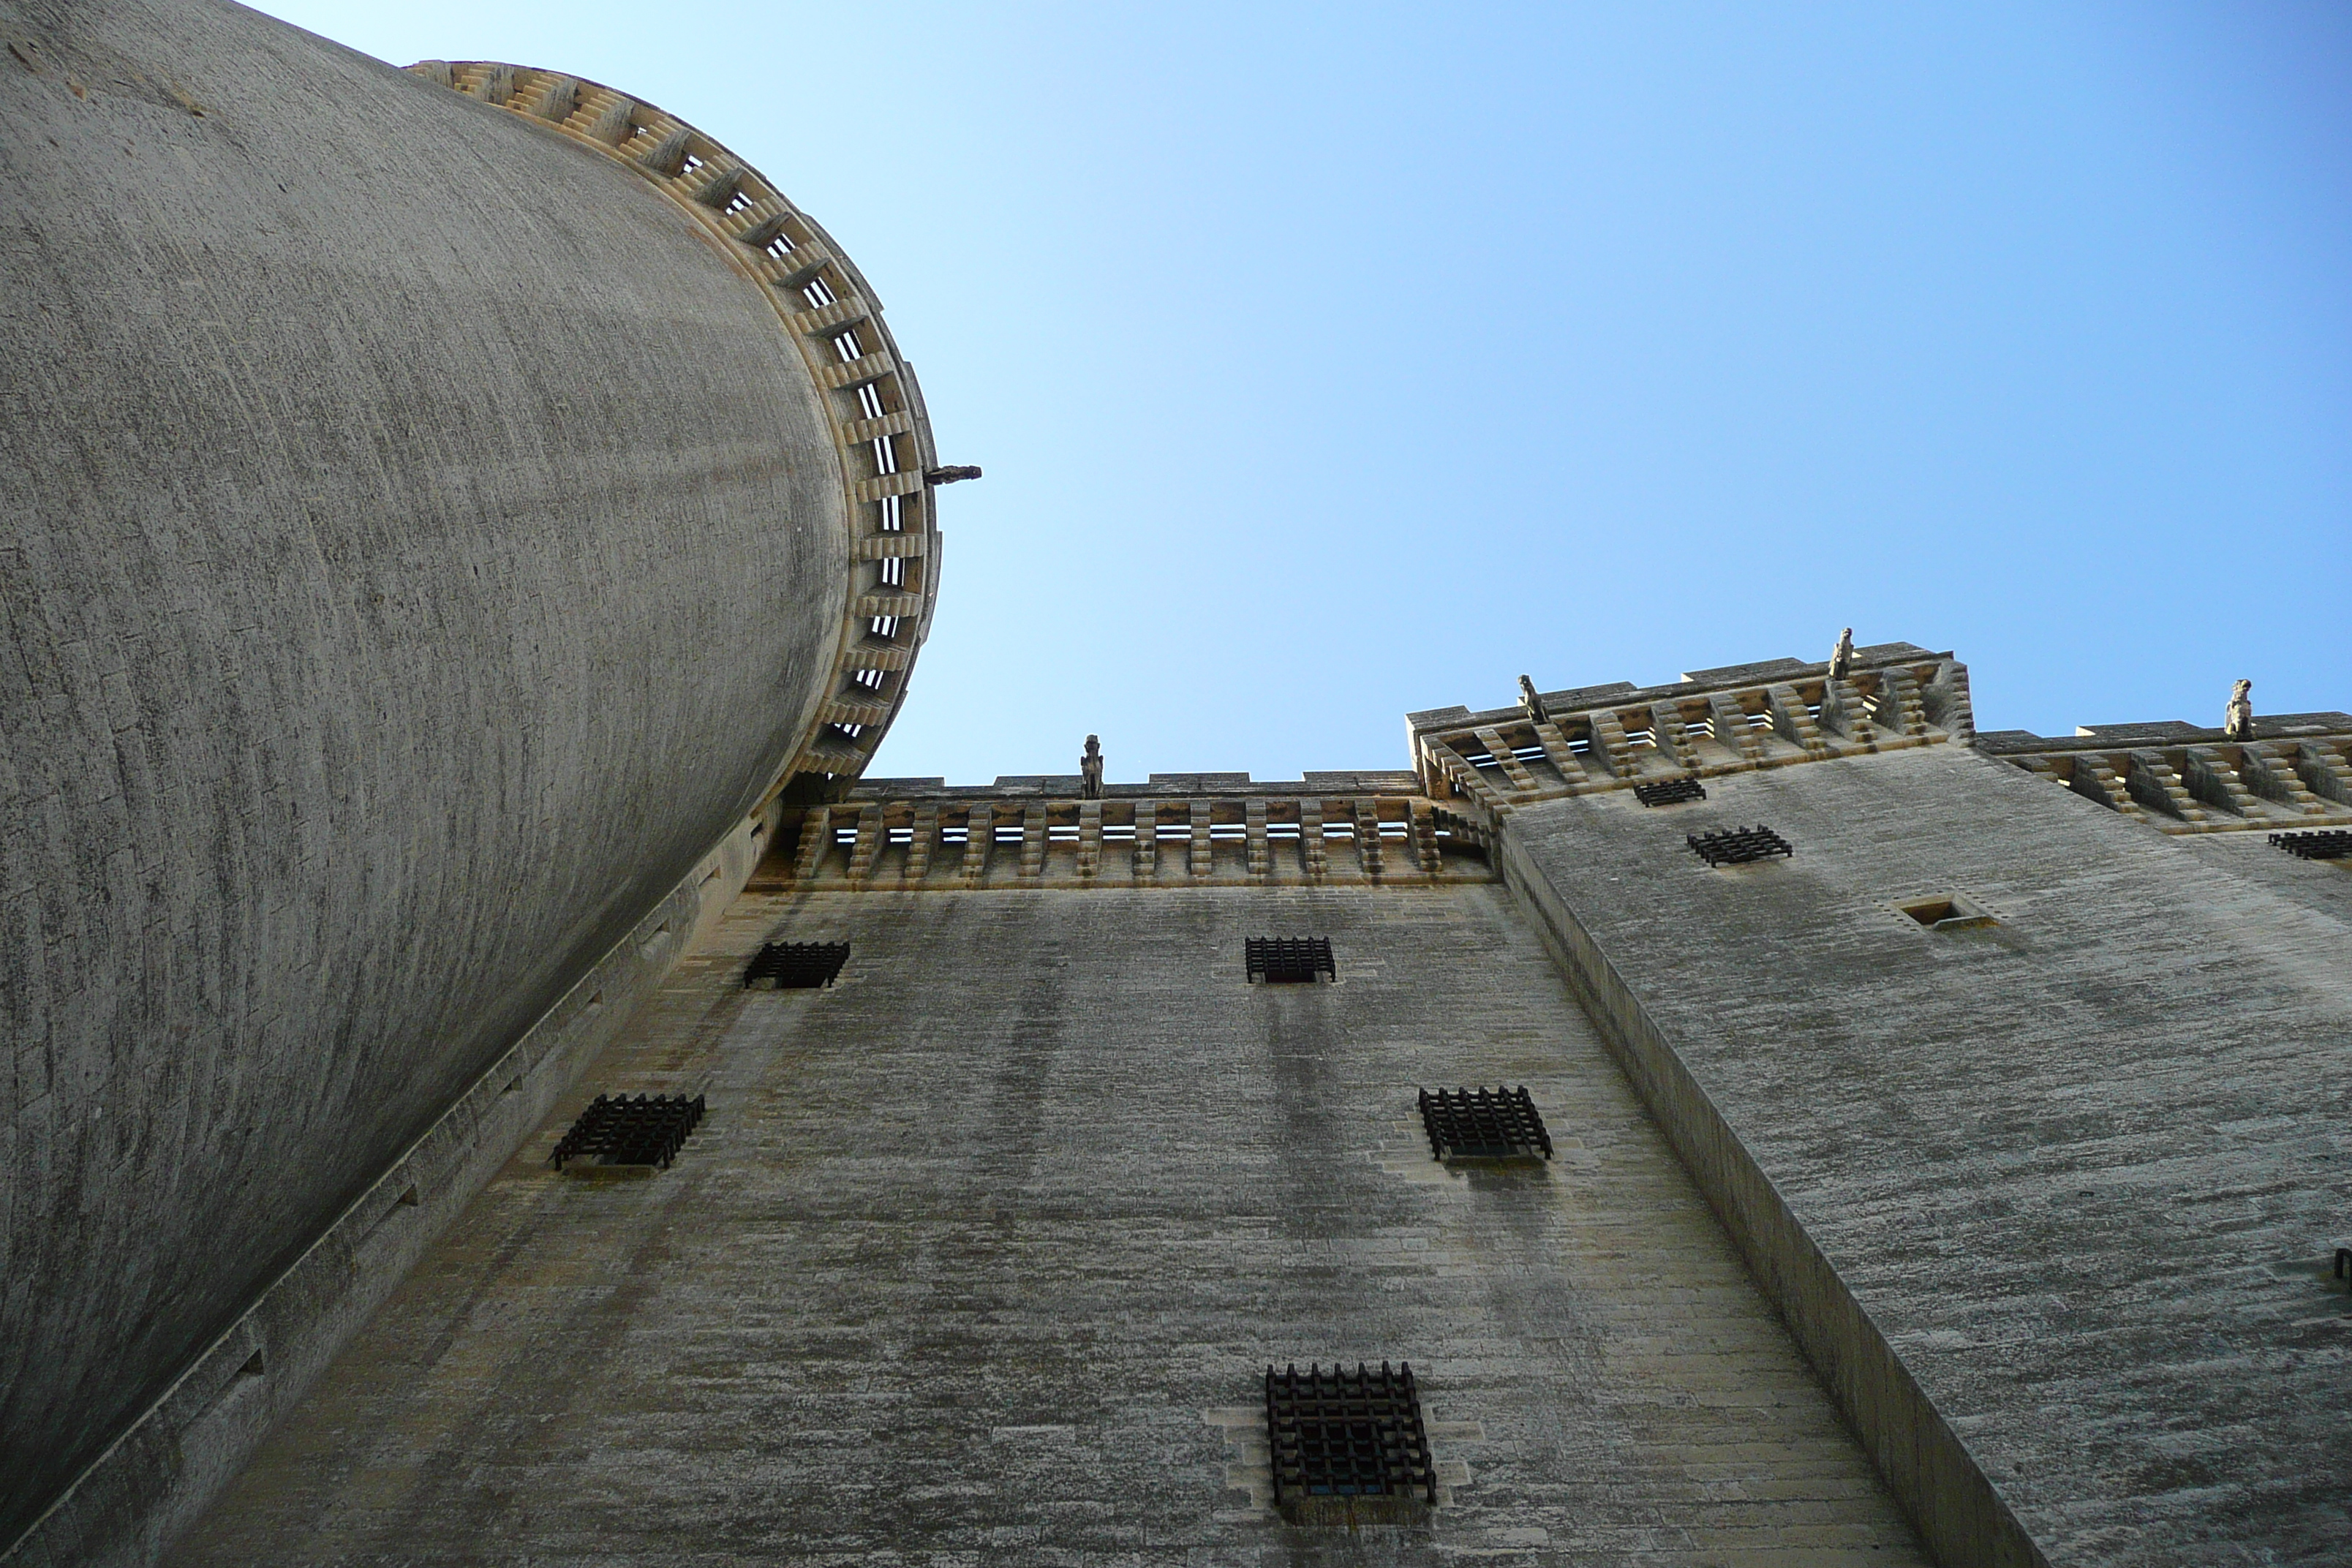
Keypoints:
pixel 882 437
pixel 1747 717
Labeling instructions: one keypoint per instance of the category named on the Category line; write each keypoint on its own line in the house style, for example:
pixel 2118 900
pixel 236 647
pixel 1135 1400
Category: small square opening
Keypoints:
pixel 1946 912
pixel 1348 1449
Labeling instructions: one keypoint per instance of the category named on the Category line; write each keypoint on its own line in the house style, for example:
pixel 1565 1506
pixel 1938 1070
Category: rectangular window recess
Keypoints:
pixel 392 1211
pixel 796 965
pixel 1288 959
pixel 2335 844
pixel 618 1133
pixel 1347 1447
pixel 1737 845
pixel 1947 912
pixel 1668 791
pixel 1483 1124
pixel 235 1382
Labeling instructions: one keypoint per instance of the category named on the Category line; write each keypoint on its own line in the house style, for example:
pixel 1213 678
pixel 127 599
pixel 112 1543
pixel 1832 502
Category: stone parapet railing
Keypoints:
pixel 2178 778
pixel 1713 721
pixel 1181 831
pixel 870 399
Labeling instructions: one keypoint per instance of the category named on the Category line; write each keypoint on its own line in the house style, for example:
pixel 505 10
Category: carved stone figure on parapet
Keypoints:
pixel 1090 770
pixel 1841 656
pixel 1531 702
pixel 2238 719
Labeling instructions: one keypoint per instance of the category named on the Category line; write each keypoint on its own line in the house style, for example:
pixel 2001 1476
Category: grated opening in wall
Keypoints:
pixel 1288 961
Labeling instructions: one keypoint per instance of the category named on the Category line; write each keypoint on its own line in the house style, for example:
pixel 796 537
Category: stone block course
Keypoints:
pixel 971 1250
pixel 2074 1175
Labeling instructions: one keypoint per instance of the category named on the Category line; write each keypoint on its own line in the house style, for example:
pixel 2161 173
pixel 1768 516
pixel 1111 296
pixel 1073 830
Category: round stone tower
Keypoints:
pixel 444 510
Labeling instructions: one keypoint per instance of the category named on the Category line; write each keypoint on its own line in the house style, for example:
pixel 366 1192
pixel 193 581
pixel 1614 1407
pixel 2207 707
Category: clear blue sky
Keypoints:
pixel 1333 360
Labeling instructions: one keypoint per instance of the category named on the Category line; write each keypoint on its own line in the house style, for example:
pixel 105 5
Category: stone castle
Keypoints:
pixel 491 1079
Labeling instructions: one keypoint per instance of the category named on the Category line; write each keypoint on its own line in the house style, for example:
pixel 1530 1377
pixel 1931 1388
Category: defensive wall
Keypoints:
pixel 469 531
pixel 446 512
pixel 2025 1105
pixel 2021 1111
pixel 981 1254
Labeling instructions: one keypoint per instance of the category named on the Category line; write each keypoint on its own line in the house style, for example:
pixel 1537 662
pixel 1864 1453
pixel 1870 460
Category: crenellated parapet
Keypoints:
pixel 1712 722
pixel 1181 830
pixel 2180 778
pixel 870 399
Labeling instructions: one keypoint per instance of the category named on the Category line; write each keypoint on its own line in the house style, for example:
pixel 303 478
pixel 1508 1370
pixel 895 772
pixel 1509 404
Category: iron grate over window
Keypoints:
pixel 1483 1124
pixel 797 966
pixel 2335 844
pixel 1737 845
pixel 1667 792
pixel 1342 1440
pixel 618 1130
pixel 1289 960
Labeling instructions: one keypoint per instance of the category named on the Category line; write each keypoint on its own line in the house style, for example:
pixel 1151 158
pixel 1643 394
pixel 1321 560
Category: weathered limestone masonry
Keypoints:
pixel 979 1256
pixel 1181 830
pixel 1711 723
pixel 2049 1198
pixel 866 391
pixel 441 516
pixel 2296 773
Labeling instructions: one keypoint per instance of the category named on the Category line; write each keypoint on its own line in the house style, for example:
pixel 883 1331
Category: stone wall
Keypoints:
pixel 981 1257
pixel 423 544
pixel 2050 1200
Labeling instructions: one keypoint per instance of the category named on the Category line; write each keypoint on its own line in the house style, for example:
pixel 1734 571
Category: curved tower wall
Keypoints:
pixel 429 539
